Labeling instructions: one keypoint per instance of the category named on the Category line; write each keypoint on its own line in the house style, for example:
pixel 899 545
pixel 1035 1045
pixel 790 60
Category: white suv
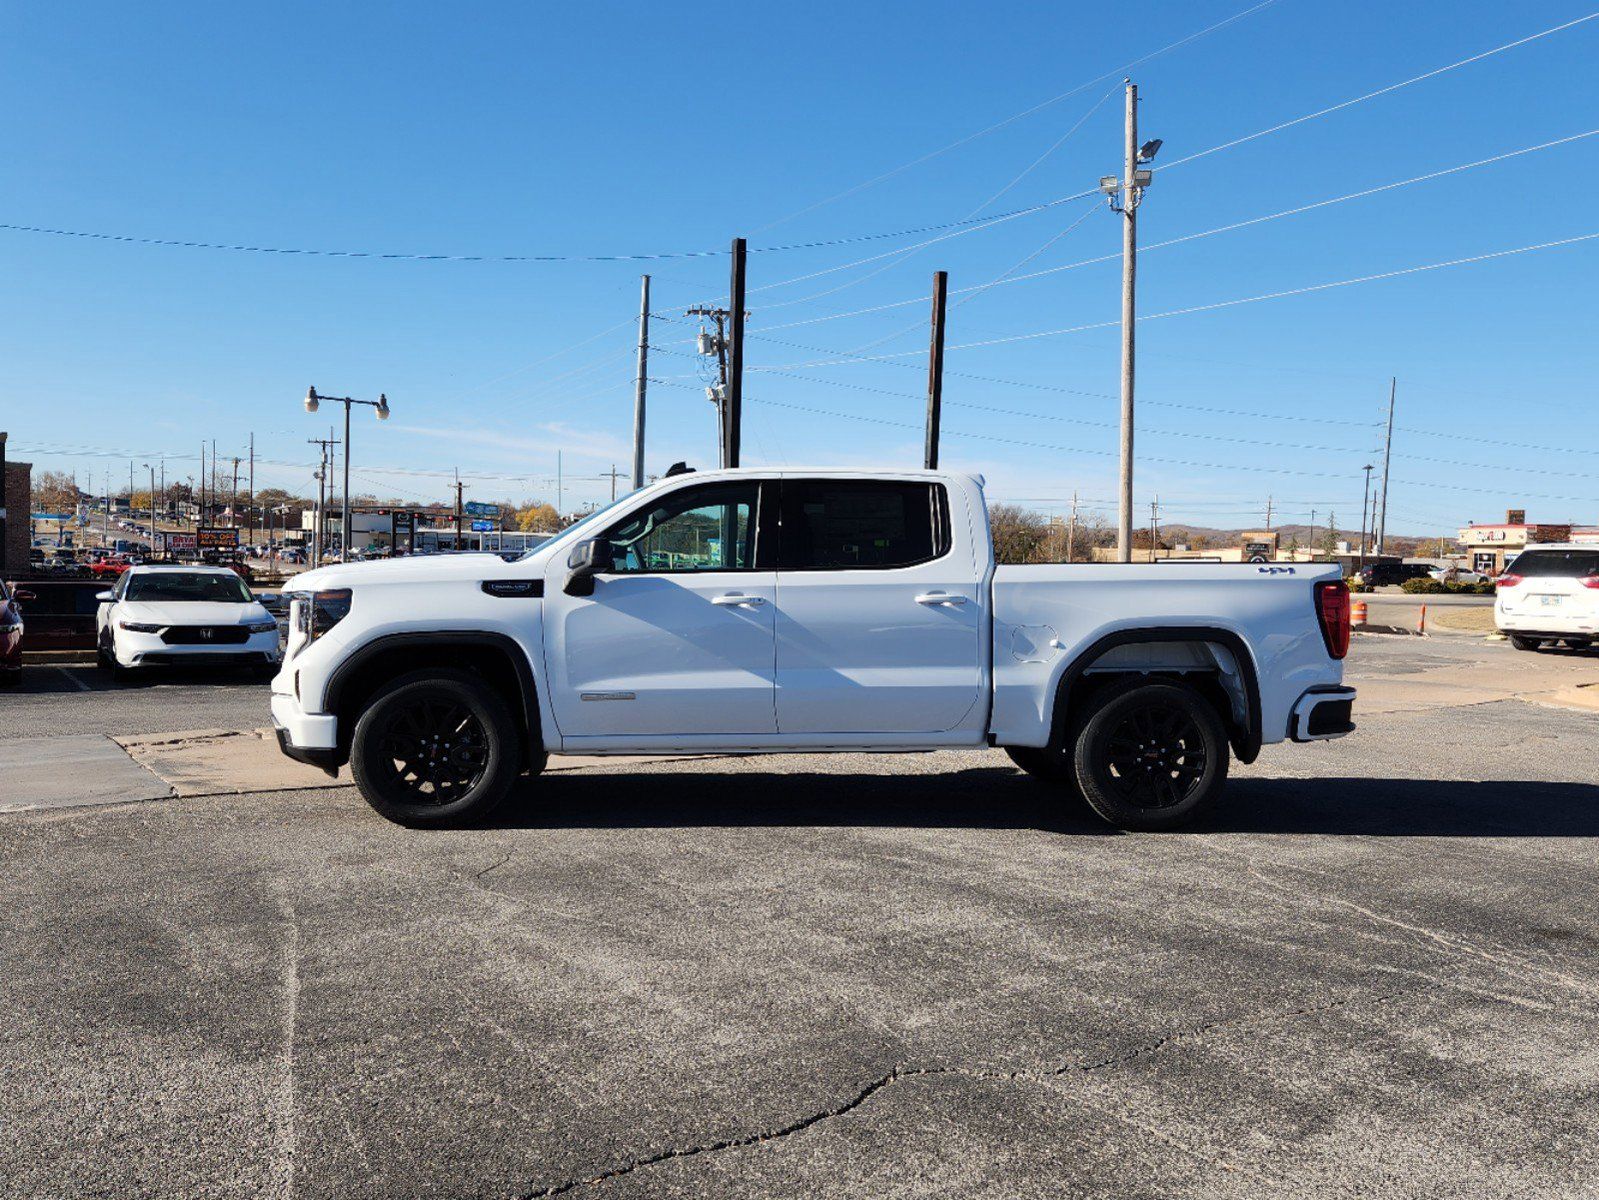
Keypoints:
pixel 1550 594
pixel 184 616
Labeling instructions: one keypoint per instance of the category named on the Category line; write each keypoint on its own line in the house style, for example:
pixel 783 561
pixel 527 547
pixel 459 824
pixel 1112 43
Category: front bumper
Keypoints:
pixel 306 737
pixel 1322 714
pixel 148 650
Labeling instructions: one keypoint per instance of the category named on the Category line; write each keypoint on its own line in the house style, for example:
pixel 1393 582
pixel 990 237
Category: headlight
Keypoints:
pixel 317 612
pixel 138 627
pixel 262 626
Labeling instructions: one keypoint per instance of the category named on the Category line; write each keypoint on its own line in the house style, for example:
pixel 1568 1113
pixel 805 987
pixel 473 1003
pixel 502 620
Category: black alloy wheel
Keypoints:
pixel 1150 755
pixel 436 748
pixel 1155 755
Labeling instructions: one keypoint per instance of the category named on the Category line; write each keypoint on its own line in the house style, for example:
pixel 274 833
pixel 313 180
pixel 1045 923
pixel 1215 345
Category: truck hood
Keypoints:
pixel 416 568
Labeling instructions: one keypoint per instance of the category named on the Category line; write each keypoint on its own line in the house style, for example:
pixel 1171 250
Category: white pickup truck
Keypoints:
pixel 754 611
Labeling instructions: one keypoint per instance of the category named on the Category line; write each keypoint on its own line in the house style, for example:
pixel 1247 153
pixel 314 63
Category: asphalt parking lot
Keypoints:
pixel 1374 972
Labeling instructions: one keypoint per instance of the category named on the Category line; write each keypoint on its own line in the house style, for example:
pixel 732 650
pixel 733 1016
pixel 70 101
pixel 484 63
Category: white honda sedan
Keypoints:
pixel 184 616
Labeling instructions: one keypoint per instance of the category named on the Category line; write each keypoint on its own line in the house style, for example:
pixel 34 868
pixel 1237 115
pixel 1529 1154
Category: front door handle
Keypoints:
pixel 735 598
pixel 939 598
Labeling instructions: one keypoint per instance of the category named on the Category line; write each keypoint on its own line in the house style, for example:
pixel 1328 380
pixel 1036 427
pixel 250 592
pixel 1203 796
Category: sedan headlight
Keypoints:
pixel 317 612
pixel 262 626
pixel 139 627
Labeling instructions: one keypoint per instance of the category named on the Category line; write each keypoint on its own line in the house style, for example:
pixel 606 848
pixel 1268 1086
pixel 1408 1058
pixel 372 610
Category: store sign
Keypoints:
pixel 175 543
pixel 402 531
pixel 477 508
pixel 216 539
pixel 1257 552
pixel 482 526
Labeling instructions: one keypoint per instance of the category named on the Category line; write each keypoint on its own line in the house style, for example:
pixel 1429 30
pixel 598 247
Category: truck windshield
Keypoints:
pixel 576 530
pixel 168 586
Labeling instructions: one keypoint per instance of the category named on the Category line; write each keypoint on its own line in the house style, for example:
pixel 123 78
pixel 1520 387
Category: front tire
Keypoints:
pixel 436 748
pixel 1150 756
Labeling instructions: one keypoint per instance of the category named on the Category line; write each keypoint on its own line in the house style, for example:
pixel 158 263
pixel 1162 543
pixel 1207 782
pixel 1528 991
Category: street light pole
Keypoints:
pixel 381 405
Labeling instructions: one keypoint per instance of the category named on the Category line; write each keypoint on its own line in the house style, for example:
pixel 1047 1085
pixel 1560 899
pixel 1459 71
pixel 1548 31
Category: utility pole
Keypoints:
pixel 249 507
pixel 457 508
pixel 559 483
pixel 1268 514
pixel 1130 190
pixel 1071 531
pixel 735 357
pixel 1154 526
pixel 639 386
pixel 320 513
pixel 200 515
pixel 614 475
pixel 1387 452
pixel 935 369
pixel 717 394
pixel 233 496
pixel 1364 497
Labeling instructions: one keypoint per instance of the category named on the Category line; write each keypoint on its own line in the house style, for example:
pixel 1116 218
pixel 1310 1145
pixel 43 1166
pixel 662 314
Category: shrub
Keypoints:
pixel 1356 584
pixel 1424 587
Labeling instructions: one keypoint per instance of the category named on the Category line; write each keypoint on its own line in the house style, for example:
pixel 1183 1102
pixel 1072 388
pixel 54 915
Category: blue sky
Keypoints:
pixel 629 128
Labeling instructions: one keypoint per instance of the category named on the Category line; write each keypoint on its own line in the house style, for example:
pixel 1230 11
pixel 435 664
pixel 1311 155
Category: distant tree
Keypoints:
pixel 54 492
pixel 1020 535
pixel 1329 540
pixel 538 517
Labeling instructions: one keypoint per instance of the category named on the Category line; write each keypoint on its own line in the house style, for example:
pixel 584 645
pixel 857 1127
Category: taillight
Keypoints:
pixel 1507 581
pixel 1332 612
pixel 1589 581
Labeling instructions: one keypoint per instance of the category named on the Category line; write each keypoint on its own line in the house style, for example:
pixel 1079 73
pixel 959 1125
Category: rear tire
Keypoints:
pixel 1150 756
pixel 436 749
pixel 1524 643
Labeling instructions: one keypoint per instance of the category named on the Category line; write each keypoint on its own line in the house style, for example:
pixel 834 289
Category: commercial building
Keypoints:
pixel 1489 548
pixel 15 505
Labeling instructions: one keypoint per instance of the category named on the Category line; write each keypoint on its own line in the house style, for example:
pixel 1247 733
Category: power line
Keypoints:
pixel 1193 237
pixel 1301 291
pixel 1393 87
pixel 1014 117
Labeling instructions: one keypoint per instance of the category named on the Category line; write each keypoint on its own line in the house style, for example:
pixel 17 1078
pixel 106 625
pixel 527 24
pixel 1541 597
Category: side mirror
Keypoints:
pixel 22 595
pixel 104 597
pixel 587 560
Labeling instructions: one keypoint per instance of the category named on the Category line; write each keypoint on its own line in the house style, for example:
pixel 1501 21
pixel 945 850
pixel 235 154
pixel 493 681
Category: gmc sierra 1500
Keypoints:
pixel 758 611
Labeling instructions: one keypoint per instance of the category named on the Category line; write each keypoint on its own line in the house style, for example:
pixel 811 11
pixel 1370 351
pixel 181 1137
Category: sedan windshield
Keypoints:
pixel 169 586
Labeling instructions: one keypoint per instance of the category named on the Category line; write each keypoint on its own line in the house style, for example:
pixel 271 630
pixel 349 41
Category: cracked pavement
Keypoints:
pixel 1372 973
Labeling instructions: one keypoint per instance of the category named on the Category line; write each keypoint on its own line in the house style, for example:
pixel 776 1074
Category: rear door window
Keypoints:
pixel 1569 564
pixel 861 524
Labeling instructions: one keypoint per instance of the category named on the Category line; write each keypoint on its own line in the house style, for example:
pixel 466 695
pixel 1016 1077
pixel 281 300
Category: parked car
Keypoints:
pixel 1456 575
pixel 1380 574
pixel 183 616
pixel 773 612
pixel 1549 594
pixel 11 601
pixel 109 566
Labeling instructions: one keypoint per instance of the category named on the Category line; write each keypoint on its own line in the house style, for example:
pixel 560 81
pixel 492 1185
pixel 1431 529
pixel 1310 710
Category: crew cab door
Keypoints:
pixel 677 638
pixel 880 621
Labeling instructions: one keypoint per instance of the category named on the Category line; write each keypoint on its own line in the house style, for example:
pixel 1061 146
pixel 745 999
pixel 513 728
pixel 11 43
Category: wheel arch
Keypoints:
pixel 496 657
pixel 1079 680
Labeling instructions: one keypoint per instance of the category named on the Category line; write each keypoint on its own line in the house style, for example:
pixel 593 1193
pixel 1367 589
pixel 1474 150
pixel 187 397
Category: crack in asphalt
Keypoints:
pixel 902 1072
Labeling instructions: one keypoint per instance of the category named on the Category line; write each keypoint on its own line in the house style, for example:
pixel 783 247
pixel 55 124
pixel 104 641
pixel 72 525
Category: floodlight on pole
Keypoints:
pixel 1149 149
pixel 311 400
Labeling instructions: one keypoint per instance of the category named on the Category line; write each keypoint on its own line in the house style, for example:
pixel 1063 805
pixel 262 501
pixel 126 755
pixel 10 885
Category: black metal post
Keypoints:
pixel 935 369
pixel 735 364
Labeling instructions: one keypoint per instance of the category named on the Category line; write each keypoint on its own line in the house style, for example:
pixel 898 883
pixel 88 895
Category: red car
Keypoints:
pixel 110 566
pixel 11 632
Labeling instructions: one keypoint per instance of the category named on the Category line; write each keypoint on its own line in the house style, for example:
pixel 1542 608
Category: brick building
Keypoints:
pixel 16 502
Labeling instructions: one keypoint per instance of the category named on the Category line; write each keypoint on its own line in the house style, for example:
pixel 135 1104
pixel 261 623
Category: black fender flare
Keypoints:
pixel 1245 743
pixel 526 685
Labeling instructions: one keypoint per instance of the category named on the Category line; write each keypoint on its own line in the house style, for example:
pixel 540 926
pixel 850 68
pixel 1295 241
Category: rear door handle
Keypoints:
pixel 735 598
pixel 939 598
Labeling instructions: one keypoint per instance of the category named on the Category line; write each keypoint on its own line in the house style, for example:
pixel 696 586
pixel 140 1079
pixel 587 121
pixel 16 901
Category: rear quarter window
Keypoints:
pixel 1573 564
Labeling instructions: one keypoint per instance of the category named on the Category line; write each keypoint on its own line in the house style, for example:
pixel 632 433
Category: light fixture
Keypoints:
pixel 383 407
pixel 1110 184
pixel 311 402
pixel 1149 149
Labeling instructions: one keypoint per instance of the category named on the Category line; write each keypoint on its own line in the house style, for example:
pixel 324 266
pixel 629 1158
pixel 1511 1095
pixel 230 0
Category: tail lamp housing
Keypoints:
pixel 1332 614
